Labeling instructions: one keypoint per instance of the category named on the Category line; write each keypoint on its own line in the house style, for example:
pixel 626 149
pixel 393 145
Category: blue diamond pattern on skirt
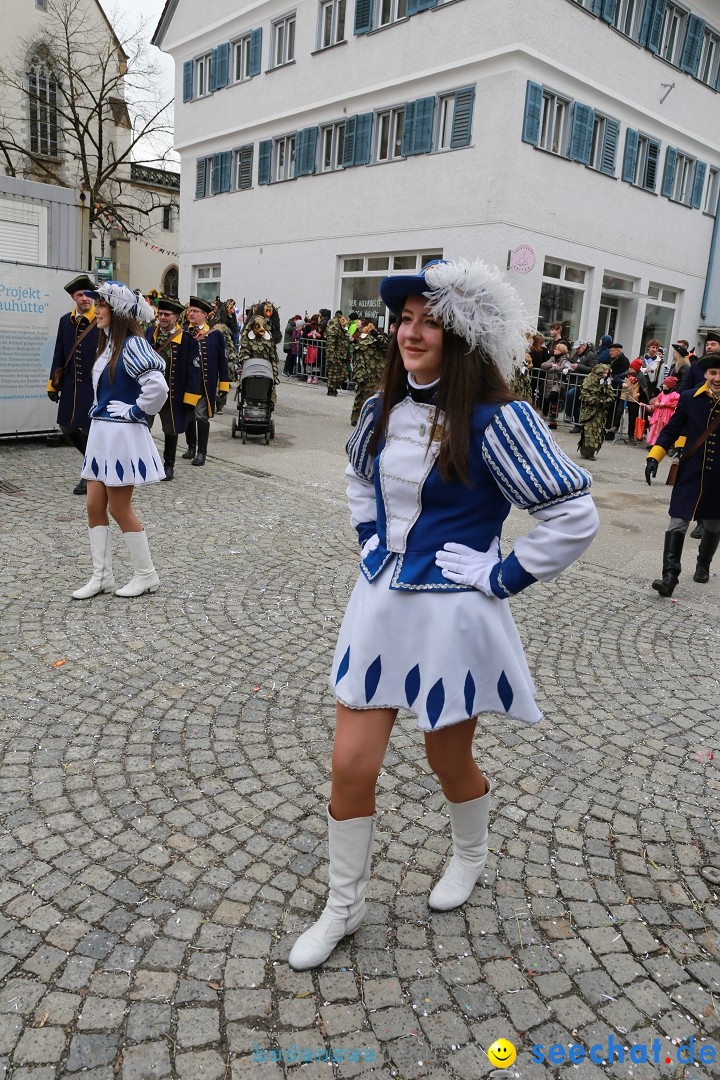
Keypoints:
pixel 372 678
pixel 119 469
pixel 106 468
pixel 435 702
pixel 505 691
pixel 469 694
pixel 412 684
pixel 141 468
pixel 95 467
pixel 344 666
pixel 132 466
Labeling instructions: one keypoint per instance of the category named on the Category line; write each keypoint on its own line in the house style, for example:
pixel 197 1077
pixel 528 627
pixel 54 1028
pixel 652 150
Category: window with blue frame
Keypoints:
pixel 243 167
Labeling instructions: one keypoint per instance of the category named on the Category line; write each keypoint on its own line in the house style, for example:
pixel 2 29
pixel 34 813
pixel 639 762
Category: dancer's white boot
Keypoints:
pixel 102 579
pixel 145 578
pixel 469 821
pixel 349 874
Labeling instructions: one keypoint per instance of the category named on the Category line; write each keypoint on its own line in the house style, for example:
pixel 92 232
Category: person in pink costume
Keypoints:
pixel 663 406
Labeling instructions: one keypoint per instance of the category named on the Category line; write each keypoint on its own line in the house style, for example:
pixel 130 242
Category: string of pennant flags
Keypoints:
pixel 115 224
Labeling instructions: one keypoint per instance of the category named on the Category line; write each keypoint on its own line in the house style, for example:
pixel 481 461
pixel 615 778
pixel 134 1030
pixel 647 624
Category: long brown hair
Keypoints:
pixel 469 378
pixel 121 327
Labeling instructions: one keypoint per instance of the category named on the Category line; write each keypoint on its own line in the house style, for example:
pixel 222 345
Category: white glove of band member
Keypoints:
pixel 370 545
pixel 119 409
pixel 465 566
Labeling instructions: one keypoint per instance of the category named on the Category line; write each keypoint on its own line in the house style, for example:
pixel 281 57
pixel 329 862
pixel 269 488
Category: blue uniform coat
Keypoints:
pixel 696 494
pixel 214 374
pixel 182 374
pixel 76 389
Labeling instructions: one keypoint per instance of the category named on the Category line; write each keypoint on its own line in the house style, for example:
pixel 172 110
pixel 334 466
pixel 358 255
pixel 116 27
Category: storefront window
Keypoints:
pixel 362 294
pixel 207 282
pixel 563 305
pixel 361 276
pixel 658 324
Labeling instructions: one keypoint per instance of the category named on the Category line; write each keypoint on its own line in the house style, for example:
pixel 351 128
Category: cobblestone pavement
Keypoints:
pixel 163 790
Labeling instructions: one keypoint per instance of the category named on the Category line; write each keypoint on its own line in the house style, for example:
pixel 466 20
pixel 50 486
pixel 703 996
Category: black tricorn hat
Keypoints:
pixel 713 336
pixel 709 360
pixel 82 281
pixel 169 303
pixel 195 301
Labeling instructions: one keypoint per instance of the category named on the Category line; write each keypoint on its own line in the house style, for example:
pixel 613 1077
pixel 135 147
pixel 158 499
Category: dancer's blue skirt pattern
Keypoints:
pixel 121 454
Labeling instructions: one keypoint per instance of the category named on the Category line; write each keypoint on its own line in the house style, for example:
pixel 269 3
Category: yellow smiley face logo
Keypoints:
pixel 502 1053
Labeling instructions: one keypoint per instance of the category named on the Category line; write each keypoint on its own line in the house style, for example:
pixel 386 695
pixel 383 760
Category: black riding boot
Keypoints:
pixel 671 563
pixel 171 442
pixel 697 532
pixel 203 435
pixel 191 437
pixel 708 547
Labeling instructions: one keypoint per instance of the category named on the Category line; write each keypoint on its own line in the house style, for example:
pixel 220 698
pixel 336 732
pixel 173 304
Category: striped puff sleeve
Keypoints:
pixel 535 475
pixel 360 471
pixel 143 364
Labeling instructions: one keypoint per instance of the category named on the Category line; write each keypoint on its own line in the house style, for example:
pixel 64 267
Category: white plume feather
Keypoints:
pixel 126 302
pixel 473 300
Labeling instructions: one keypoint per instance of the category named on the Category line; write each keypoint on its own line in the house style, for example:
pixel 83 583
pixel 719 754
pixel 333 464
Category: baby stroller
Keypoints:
pixel 254 401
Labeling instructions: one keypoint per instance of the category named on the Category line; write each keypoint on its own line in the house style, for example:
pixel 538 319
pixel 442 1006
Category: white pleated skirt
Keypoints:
pixel 121 454
pixel 445 656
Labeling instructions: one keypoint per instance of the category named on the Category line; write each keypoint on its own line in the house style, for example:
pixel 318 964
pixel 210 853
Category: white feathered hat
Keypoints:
pixel 473 300
pixel 123 300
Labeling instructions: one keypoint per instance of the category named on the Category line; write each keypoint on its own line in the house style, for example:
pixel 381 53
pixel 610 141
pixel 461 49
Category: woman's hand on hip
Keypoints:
pixel 465 566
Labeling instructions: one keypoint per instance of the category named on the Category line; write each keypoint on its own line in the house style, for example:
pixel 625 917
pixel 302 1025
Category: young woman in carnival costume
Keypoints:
pixel 128 385
pixel 436 461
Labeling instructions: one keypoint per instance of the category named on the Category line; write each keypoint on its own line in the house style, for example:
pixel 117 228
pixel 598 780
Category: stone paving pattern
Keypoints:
pixel 162 800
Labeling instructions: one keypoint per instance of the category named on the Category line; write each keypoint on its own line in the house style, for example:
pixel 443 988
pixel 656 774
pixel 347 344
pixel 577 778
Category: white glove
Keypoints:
pixel 465 566
pixel 119 409
pixel 370 545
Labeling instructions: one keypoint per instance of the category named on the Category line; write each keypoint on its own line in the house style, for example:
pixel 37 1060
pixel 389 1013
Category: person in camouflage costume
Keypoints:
pixel 521 384
pixel 219 322
pixel 257 340
pixel 369 357
pixel 596 395
pixel 337 350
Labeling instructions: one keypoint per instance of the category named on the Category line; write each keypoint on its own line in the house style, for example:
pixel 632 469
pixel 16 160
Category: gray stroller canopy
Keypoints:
pixel 257 366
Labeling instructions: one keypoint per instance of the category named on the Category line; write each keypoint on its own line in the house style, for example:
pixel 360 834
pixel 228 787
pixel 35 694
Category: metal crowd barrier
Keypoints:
pixel 311 359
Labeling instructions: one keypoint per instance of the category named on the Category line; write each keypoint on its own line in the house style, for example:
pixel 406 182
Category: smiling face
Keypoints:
pixel 502 1053
pixel 420 340
pixel 102 314
pixel 713 379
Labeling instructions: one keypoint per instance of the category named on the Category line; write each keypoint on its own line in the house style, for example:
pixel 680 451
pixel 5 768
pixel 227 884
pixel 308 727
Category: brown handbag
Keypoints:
pixel 58 374
pixel 673 470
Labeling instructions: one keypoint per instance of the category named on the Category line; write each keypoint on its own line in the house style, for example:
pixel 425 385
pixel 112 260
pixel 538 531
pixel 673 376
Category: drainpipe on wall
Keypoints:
pixel 711 261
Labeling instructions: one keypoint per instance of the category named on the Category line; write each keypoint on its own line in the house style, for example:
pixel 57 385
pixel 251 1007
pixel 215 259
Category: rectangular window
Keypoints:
pixel 683 180
pixel 243 167
pixel 42 102
pixel 672 34
pixel 202 75
pixel 389 128
pixel 642 159
pixel 711 196
pixel 380 262
pixel 562 303
pixel 453 127
pixel 284 158
pixel 709 58
pixel 629 17
pixel 554 123
pixel 331 146
pixel 241 64
pixel 389 11
pixel 167 218
pixel 352 266
pixel 405 262
pixel 41 5
pixel 332 23
pixel 283 34
pixel 207 282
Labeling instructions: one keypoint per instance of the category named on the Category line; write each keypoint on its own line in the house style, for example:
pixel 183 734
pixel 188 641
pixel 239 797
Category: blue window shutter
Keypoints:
pixel 632 140
pixel 413 6
pixel 408 128
pixel 533 113
pixel 583 119
pixel 717 84
pixel 188 72
pixel 225 170
pixel 363 136
pixel 609 10
pixel 216 174
pixel 348 154
pixel 608 157
pixel 462 118
pixel 597 7
pixel 422 128
pixel 698 185
pixel 245 164
pixel 363 16
pixel 200 177
pixel 669 173
pixel 219 66
pixel 653 160
pixel 311 149
pixel 300 152
pixel 690 59
pixel 255 52
pixel 656 25
pixel 264 161
pixel 646 22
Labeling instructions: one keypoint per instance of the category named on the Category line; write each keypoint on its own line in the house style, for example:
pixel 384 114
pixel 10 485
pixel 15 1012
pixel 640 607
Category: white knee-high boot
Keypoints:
pixel 469 822
pixel 349 873
pixel 145 578
pixel 102 579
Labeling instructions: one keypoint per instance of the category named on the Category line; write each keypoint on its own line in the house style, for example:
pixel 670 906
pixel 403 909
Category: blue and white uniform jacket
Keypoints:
pixel 399 495
pixel 139 383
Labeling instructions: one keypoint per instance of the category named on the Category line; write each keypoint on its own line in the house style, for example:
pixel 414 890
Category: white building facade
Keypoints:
pixel 326 143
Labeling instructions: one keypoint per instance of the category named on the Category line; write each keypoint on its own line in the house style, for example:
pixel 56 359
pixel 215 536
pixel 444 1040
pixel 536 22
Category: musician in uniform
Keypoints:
pixel 70 382
pixel 214 377
pixel 181 354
